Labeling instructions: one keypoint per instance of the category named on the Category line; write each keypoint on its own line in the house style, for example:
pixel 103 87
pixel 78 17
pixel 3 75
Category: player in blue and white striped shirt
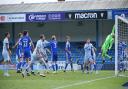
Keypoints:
pixel 68 54
pixel 88 57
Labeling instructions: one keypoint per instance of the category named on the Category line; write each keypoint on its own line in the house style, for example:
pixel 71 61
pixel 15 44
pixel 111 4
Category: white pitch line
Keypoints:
pixel 83 82
pixel 123 76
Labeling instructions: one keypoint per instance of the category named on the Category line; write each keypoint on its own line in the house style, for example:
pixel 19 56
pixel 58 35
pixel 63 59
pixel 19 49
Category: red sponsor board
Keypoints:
pixel 2 18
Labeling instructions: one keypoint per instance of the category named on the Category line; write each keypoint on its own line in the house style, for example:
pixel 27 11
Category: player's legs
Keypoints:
pixel 34 60
pixel 94 63
pixel 6 62
pixel 6 67
pixel 91 64
pixel 32 65
pixel 46 60
pixel 47 66
pixel 19 60
pixel 54 66
pixel 26 66
pixel 125 64
pixel 86 65
pixel 104 54
pixel 121 66
pixel 42 62
pixel 19 64
pixel 29 67
pixel 71 64
pixel 68 61
pixel 54 62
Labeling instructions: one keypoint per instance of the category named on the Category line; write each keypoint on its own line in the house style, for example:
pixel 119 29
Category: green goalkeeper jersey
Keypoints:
pixel 108 42
pixel 113 30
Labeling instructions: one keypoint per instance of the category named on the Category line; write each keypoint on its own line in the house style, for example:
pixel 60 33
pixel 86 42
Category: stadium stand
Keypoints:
pixel 77 53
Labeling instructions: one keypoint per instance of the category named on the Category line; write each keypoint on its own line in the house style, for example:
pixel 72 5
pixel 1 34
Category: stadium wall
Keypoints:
pixel 77 31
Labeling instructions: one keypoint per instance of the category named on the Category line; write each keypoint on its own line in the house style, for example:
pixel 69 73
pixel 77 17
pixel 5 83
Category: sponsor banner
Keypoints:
pixel 86 15
pixel 12 18
pixel 41 17
pixel 123 13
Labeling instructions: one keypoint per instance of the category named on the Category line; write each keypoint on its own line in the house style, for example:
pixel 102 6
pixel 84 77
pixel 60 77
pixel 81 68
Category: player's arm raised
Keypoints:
pixel 16 44
pixel 31 42
pixel 111 41
pixel 93 49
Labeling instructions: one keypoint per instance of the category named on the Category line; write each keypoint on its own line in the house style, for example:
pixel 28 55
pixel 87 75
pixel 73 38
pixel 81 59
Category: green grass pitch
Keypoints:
pixel 61 80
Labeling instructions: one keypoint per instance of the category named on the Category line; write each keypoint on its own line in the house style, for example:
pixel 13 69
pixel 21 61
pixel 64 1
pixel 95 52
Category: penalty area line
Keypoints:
pixel 122 76
pixel 83 82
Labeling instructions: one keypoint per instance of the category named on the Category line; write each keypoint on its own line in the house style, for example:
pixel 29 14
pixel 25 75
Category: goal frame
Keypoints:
pixel 116 41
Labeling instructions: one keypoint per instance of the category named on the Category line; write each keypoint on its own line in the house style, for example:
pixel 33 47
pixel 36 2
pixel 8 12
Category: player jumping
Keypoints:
pixel 107 45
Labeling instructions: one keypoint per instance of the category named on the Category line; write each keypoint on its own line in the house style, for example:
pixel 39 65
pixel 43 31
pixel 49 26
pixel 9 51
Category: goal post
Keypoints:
pixel 116 45
pixel 121 44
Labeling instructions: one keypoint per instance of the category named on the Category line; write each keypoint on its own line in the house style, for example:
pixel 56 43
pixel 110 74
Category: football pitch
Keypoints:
pixel 61 80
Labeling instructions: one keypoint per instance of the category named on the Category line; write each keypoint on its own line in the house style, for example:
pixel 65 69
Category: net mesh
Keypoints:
pixel 122 46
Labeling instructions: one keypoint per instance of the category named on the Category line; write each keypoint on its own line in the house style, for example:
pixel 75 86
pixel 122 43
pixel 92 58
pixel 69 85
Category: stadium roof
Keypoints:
pixel 64 6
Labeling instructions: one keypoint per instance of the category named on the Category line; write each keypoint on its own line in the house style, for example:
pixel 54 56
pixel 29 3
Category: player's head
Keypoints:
pixel 42 37
pixel 20 35
pixel 25 33
pixel 68 38
pixel 123 15
pixel 53 37
pixel 88 40
pixel 7 34
pixel 113 35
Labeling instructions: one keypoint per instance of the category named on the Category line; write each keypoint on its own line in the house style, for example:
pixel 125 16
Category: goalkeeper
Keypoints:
pixel 107 45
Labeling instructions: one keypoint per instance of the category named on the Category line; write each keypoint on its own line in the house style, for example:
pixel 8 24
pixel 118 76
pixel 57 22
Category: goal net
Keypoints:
pixel 121 46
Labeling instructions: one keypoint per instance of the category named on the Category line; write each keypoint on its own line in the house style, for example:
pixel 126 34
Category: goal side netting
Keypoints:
pixel 121 46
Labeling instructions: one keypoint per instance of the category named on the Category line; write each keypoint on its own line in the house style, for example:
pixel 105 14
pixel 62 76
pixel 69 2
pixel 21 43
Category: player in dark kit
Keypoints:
pixel 54 55
pixel 26 46
pixel 19 55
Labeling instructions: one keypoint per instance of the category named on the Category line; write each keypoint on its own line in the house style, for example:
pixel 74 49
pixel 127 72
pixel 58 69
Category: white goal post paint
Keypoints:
pixel 116 40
